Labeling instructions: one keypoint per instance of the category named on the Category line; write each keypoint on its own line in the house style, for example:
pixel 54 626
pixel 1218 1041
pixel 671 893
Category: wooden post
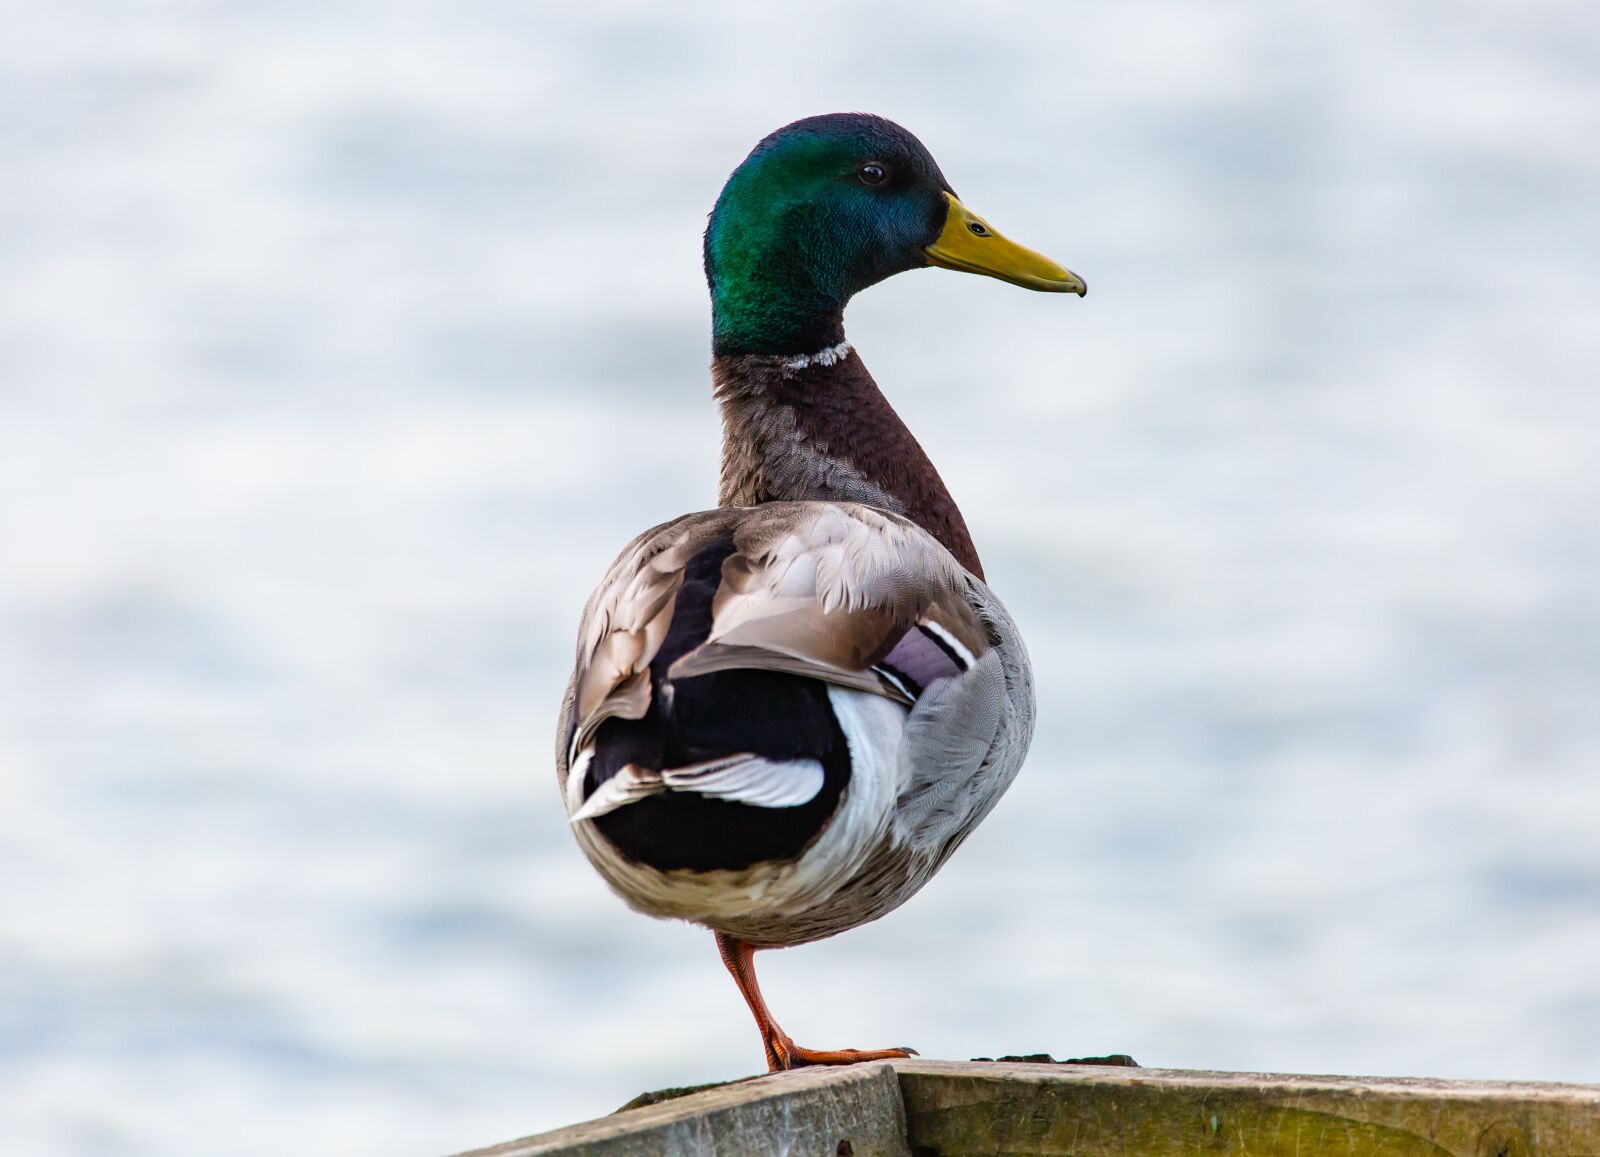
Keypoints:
pixel 918 1108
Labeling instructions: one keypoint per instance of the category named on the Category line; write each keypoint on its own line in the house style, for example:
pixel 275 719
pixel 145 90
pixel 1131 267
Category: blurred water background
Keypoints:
pixel 343 344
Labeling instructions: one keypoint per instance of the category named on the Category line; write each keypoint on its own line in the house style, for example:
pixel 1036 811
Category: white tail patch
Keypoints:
pixel 631 783
pixel 576 773
pixel 752 780
pixel 746 779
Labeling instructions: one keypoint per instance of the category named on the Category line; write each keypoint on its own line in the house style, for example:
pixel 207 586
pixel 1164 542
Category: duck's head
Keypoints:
pixel 827 206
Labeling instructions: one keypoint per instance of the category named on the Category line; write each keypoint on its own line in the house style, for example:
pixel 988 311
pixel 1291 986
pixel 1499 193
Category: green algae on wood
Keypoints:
pixel 1055 1111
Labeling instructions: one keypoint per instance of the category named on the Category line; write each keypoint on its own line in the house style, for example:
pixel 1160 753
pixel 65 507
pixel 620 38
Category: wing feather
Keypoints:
pixel 821 589
pixel 625 623
pixel 829 589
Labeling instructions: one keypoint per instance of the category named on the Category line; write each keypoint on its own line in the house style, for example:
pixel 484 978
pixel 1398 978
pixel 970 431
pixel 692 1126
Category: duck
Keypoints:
pixel 788 711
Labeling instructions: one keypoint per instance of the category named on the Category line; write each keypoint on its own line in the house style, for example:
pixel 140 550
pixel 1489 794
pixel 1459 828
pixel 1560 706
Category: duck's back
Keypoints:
pixel 783 718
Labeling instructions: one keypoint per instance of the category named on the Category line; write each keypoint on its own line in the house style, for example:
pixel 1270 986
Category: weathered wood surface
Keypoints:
pixel 1088 1111
pixel 829 1112
pixel 918 1108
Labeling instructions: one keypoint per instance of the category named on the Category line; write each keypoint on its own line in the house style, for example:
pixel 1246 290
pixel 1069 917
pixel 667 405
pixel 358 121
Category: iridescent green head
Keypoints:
pixel 827 206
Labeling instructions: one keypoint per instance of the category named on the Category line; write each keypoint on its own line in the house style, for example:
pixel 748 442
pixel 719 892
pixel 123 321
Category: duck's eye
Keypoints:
pixel 978 228
pixel 872 173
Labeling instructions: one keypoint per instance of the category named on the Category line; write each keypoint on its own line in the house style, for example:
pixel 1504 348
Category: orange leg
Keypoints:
pixel 782 1052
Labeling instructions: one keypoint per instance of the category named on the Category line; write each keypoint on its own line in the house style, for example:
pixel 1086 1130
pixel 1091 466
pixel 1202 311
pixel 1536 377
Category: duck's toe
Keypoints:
pixel 785 1054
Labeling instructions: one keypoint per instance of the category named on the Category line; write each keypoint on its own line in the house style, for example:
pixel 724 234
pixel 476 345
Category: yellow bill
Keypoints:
pixel 968 243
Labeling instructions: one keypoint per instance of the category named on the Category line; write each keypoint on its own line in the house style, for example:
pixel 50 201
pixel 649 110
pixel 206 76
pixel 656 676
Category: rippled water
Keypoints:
pixel 342 345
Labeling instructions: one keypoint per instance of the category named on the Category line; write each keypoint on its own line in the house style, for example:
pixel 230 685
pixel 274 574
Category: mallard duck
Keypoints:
pixel 789 711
